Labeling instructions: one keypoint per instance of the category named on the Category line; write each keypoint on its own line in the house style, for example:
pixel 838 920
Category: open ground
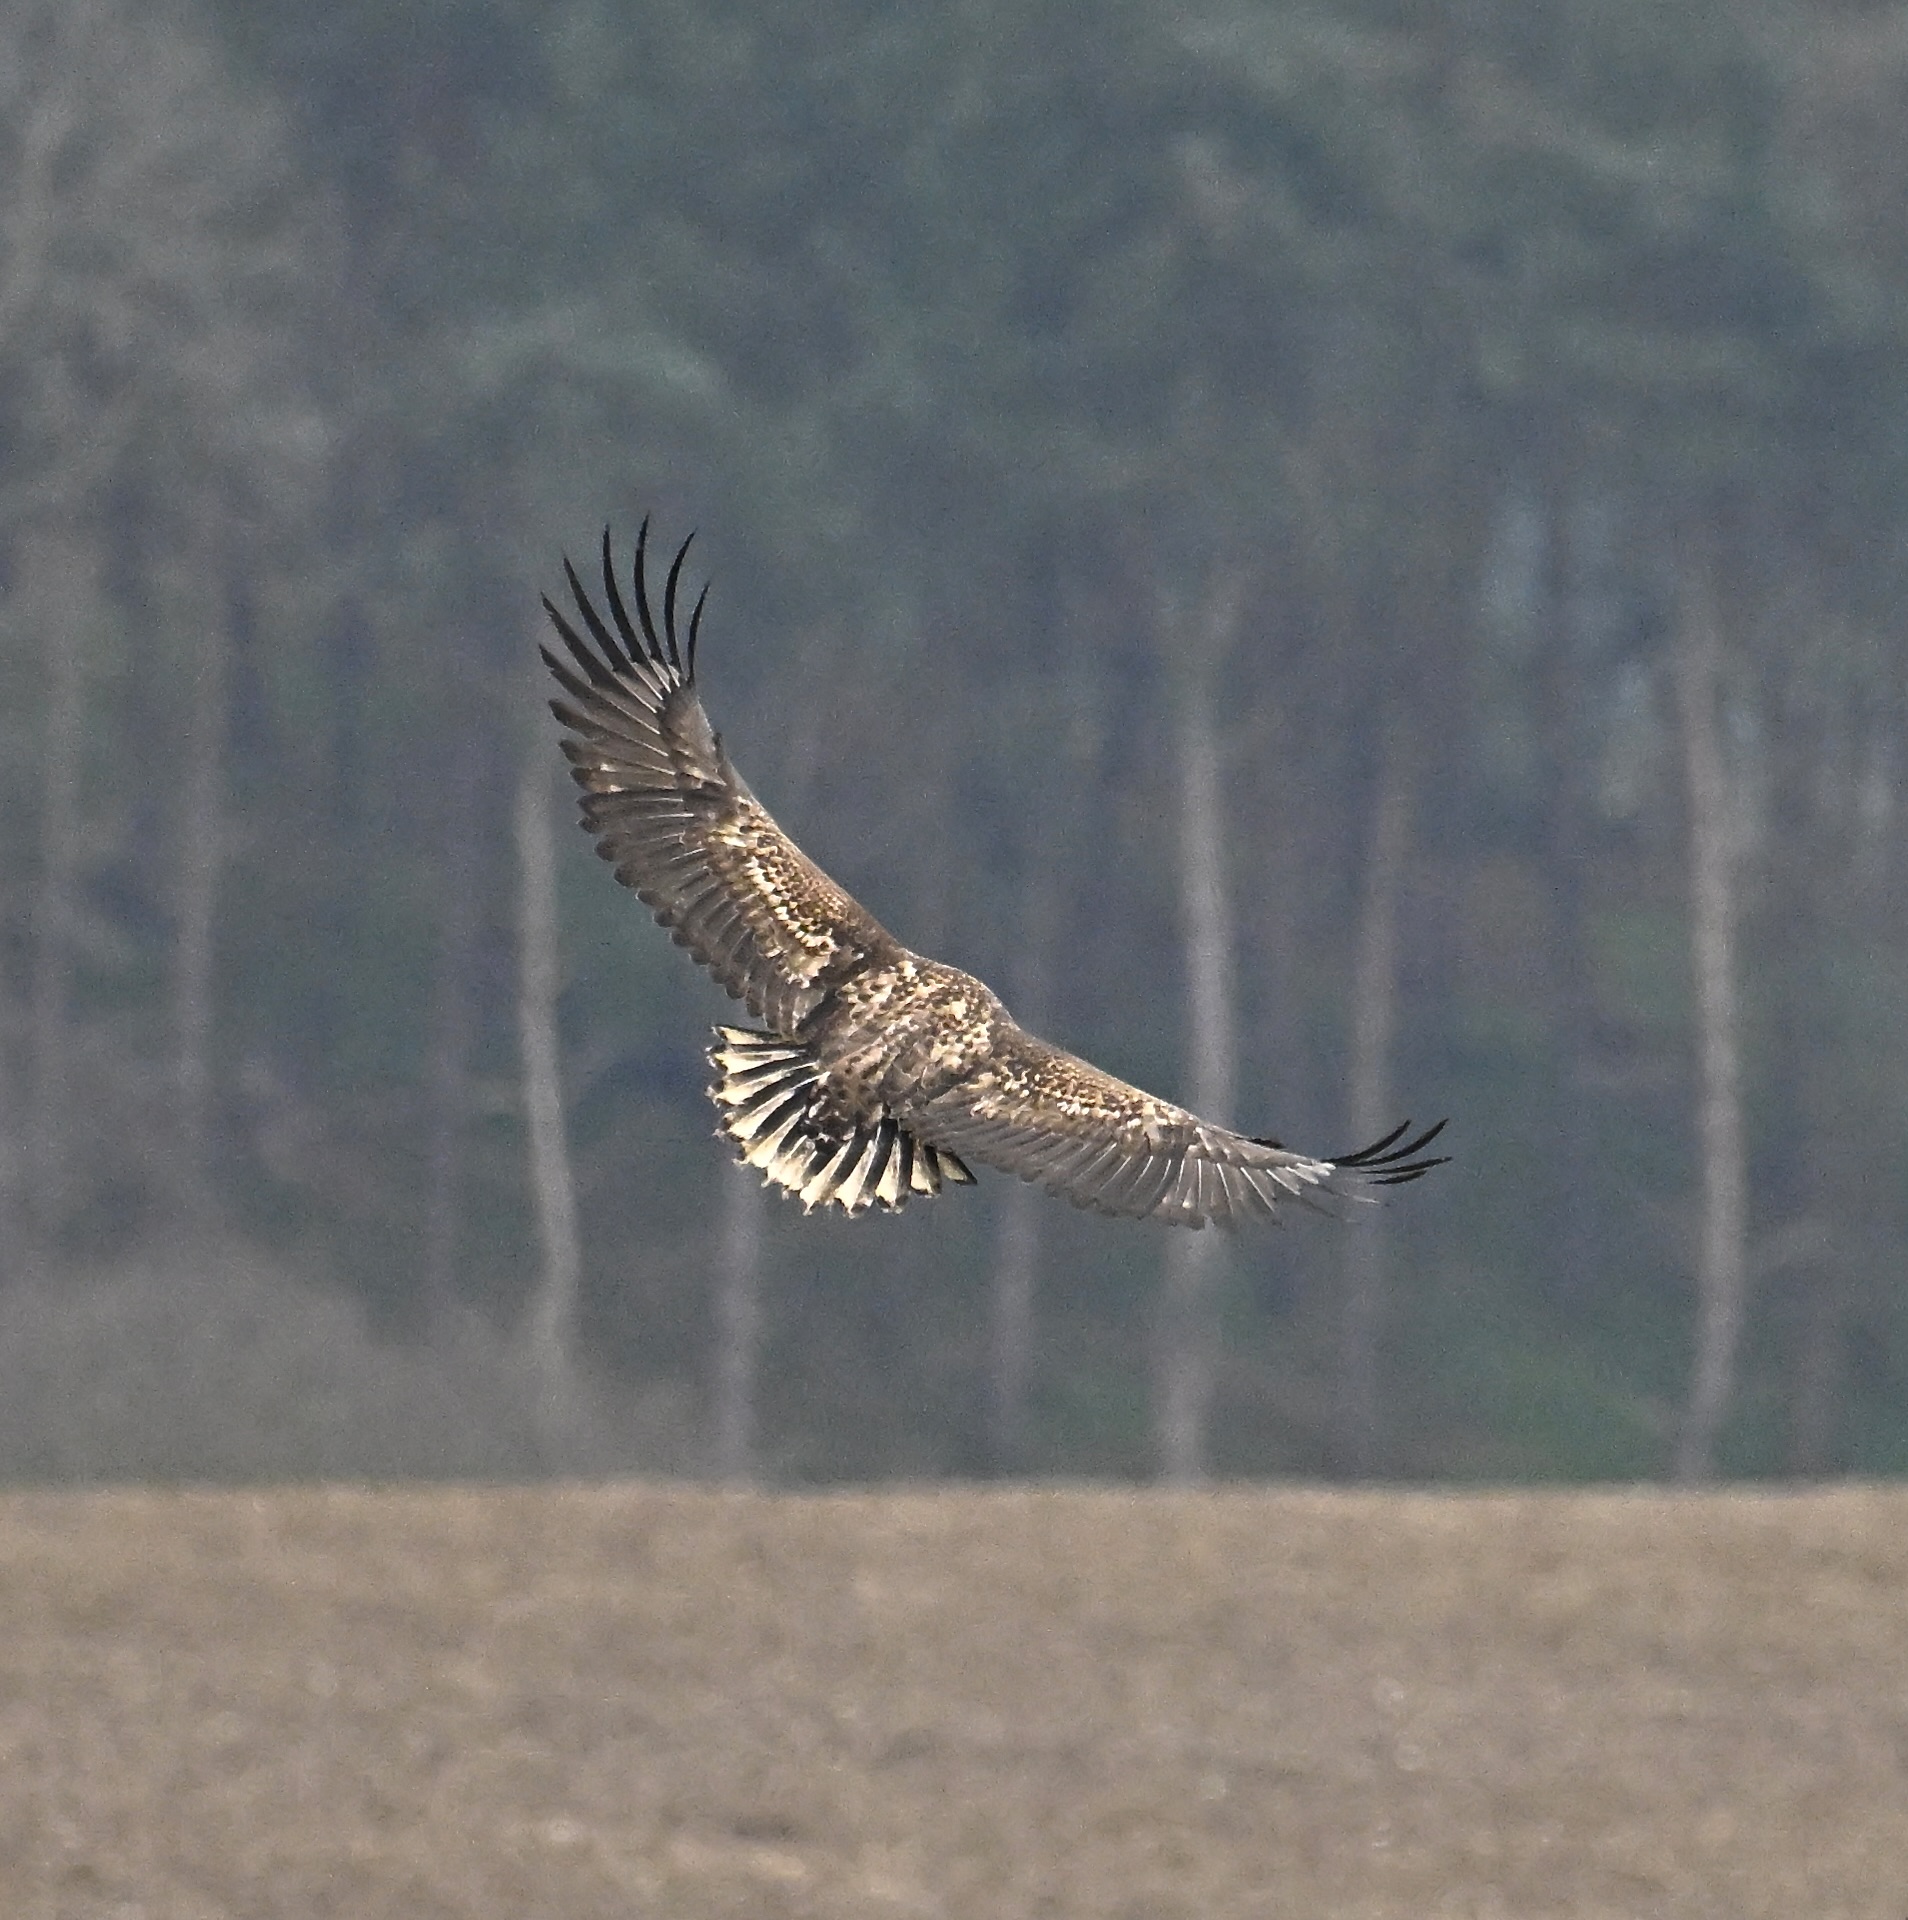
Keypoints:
pixel 1057 1702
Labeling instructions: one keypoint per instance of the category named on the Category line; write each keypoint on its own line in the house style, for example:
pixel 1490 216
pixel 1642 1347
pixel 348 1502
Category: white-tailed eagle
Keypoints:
pixel 880 1074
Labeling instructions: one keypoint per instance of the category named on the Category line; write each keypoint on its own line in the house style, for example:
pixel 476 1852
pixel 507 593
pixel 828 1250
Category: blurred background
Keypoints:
pixel 1348 557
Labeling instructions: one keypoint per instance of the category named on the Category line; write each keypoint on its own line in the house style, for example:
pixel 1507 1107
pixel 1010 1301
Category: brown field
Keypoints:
pixel 651 1701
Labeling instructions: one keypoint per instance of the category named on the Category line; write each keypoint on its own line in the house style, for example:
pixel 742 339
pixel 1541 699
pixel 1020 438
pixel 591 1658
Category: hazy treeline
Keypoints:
pixel 1347 557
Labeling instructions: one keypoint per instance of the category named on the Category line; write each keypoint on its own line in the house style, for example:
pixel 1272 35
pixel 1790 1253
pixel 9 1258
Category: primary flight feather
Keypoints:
pixel 878 1074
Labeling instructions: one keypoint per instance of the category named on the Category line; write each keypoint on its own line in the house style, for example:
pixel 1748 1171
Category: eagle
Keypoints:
pixel 877 1074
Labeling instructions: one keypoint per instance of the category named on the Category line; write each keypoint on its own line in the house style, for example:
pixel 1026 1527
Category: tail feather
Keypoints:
pixel 776 1115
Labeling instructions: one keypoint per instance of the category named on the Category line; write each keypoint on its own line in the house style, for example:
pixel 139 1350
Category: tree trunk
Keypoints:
pixel 203 830
pixel 552 1327
pixel 1817 1386
pixel 1815 1390
pixel 452 1025
pixel 1565 606
pixel 1188 1335
pixel 738 1323
pixel 13 1244
pixel 1358 1421
pixel 1074 735
pixel 736 1290
pixel 1721 1268
pixel 59 596
pixel 1012 1286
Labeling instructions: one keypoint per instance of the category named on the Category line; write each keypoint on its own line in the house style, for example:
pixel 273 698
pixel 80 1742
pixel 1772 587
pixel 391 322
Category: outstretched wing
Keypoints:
pixel 1045 1114
pixel 677 821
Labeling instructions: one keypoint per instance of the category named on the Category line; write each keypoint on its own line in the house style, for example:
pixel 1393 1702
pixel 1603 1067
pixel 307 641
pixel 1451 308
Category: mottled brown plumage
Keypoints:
pixel 881 1073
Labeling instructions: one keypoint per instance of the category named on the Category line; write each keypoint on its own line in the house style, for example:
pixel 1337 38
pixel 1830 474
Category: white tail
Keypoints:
pixel 774 1110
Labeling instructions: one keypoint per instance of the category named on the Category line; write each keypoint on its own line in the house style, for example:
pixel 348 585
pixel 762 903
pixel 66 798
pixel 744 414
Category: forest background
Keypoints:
pixel 1347 556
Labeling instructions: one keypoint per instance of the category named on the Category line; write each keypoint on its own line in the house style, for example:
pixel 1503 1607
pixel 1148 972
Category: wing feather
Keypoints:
pixel 1035 1110
pixel 673 817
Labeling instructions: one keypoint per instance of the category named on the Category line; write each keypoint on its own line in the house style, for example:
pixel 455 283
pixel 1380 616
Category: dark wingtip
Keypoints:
pixel 695 628
pixel 625 641
pixel 632 646
pixel 1387 1163
pixel 669 600
pixel 639 579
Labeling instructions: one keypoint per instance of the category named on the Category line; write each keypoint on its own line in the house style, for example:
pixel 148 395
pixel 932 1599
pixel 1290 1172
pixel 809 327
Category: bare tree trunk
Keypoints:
pixel 453 1021
pixel 1188 1350
pixel 13 1243
pixel 1808 1247
pixel 1357 1417
pixel 735 1374
pixel 1565 609
pixel 891 1304
pixel 1721 1270
pixel 1012 1286
pixel 201 857
pixel 18 628
pixel 1816 1390
pixel 552 1329
pixel 1015 1275
pixel 58 594
pixel 1827 1247
pixel 738 1324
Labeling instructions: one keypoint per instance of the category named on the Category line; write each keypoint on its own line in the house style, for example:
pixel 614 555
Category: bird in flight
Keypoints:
pixel 877 1074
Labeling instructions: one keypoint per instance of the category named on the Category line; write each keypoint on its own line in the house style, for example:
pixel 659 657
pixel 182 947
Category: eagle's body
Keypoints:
pixel 901 1032
pixel 880 1073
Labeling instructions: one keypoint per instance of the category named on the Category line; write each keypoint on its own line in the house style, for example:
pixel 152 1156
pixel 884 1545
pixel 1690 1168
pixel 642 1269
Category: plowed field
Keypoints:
pixel 1066 1702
